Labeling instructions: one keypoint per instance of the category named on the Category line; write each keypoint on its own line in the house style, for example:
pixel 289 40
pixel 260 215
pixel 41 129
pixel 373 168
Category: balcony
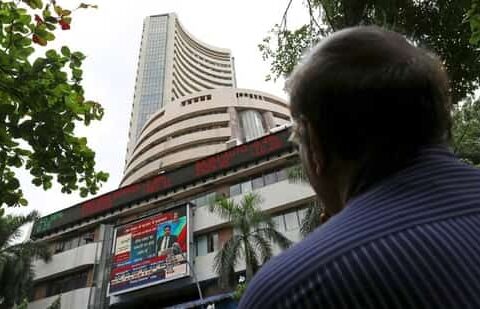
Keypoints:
pixel 76 299
pixel 279 195
pixel 204 264
pixel 67 260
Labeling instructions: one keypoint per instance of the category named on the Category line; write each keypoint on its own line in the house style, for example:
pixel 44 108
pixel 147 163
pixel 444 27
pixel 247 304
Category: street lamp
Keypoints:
pixel 177 250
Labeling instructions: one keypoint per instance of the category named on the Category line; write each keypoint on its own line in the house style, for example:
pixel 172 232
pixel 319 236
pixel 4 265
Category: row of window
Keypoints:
pixel 66 284
pixel 158 24
pixel 184 81
pixel 164 125
pixel 176 89
pixel 196 145
pixel 252 124
pixel 199 62
pixel 202 98
pixel 290 220
pixel 189 61
pixel 206 243
pixel 284 222
pixel 258 182
pixel 245 186
pixel 170 137
pixel 219 56
pixel 204 199
pixel 153 119
pixel 259 97
pixel 74 242
pixel 179 67
pixel 194 53
pixel 188 68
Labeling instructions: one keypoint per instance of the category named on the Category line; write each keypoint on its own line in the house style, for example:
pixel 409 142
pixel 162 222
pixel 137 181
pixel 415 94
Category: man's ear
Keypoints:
pixel 315 150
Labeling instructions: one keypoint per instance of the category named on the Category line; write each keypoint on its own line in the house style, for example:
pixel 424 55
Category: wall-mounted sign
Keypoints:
pixel 150 251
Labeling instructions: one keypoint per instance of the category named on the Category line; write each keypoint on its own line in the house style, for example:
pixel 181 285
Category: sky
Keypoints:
pixel 110 38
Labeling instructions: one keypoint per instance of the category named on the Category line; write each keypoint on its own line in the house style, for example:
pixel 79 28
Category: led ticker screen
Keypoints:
pixel 186 174
pixel 150 251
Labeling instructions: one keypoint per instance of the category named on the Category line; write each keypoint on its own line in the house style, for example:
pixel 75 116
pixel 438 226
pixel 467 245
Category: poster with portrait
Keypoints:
pixel 150 251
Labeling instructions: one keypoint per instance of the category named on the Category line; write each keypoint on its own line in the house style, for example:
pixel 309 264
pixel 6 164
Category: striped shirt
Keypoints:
pixel 412 241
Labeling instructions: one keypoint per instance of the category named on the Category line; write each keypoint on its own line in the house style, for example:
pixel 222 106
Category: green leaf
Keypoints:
pixel 65 51
pixel 51 19
pixel 49 36
pixel 50 26
pixel 58 10
pixel 51 54
pixel 23 202
pixel 77 74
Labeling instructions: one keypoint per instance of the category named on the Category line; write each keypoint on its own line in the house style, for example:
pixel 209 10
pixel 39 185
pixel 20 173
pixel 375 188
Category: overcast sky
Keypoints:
pixel 110 38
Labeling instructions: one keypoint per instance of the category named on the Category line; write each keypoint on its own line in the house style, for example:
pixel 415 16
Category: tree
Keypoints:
pixel 473 18
pixel 253 237
pixel 436 24
pixel 41 102
pixel 16 273
pixel 316 213
pixel 466 131
pixel 451 28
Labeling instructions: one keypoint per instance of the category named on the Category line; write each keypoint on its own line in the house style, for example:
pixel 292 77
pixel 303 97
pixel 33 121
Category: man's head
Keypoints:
pixel 365 101
pixel 166 230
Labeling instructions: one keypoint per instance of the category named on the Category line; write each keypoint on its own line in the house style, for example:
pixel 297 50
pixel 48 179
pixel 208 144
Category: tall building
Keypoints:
pixel 173 64
pixel 194 137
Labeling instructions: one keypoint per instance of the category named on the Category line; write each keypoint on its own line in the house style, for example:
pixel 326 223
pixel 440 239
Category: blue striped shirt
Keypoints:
pixel 412 241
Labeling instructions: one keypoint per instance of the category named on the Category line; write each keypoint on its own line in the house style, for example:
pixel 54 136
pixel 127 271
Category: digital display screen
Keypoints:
pixel 150 251
pixel 184 175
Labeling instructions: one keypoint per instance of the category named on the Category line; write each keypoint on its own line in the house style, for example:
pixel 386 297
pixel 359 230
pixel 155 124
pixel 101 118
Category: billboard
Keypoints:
pixel 150 251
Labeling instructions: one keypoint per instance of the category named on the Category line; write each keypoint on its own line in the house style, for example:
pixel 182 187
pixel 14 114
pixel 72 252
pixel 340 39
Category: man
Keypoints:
pixel 372 120
pixel 166 241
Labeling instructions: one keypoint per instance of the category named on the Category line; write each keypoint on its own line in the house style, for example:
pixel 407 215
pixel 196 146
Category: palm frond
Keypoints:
pixel 251 260
pixel 297 174
pixel 263 246
pixel 312 219
pixel 30 249
pixel 226 259
pixel 276 237
pixel 259 218
pixel 10 227
pixel 223 207
pixel 16 271
pixel 251 201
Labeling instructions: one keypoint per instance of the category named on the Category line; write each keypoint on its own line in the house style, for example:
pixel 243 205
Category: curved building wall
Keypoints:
pixel 199 125
pixel 173 64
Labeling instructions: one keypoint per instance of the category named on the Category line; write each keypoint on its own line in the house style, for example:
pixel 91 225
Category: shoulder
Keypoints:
pixel 354 242
pixel 402 269
pixel 295 270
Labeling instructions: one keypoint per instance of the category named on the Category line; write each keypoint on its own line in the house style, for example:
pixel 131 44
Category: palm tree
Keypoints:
pixel 16 273
pixel 253 238
pixel 315 214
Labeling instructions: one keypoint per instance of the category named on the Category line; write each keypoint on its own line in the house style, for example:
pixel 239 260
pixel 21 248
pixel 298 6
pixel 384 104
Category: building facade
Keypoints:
pixel 82 236
pixel 193 137
pixel 201 124
pixel 173 64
